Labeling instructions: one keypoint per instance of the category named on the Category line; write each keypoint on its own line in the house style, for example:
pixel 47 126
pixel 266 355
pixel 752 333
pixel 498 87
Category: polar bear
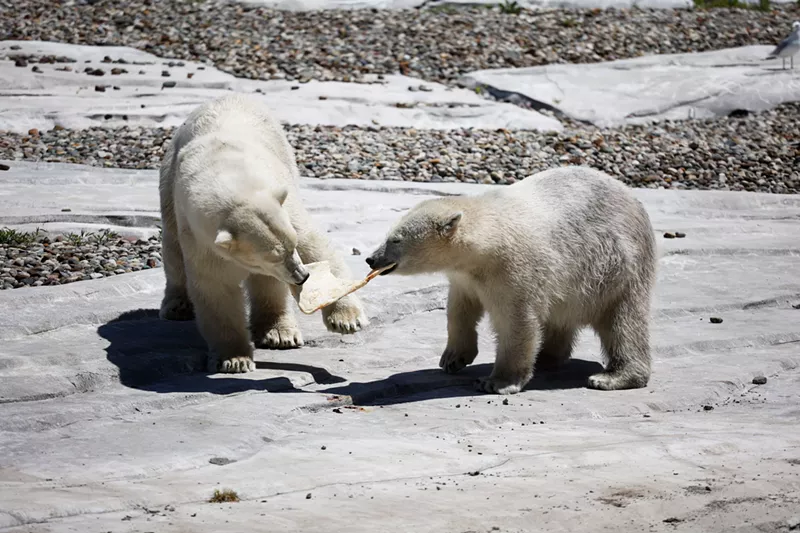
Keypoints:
pixel 562 249
pixel 231 213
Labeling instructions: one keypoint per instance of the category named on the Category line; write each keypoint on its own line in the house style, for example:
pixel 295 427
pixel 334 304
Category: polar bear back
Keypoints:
pixel 579 237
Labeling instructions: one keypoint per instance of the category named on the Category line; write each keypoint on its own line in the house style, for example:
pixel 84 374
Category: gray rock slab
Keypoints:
pixel 652 88
pixel 107 422
pixel 70 98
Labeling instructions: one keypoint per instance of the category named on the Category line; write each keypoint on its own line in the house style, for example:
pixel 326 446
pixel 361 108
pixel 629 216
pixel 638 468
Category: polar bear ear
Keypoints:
pixel 224 239
pixel 449 224
pixel 281 194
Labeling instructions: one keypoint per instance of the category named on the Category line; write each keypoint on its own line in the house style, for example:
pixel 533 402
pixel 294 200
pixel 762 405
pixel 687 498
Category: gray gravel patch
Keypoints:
pixel 74 257
pixel 433 44
pixel 751 152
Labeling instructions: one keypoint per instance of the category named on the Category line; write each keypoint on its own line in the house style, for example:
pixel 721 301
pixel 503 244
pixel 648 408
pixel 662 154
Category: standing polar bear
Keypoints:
pixel 231 213
pixel 560 250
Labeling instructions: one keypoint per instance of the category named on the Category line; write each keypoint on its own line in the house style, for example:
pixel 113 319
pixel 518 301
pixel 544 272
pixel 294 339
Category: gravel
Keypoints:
pixel 433 44
pixel 74 257
pixel 756 152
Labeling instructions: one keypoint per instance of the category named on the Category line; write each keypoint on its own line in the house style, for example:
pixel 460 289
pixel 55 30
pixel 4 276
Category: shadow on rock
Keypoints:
pixel 427 384
pixel 170 356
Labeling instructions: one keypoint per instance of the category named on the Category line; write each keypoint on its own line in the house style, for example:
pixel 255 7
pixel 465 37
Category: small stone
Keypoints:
pixel 715 320
pixel 669 235
pixel 308 496
pixel 505 401
pixel 36 69
pixel 190 75
pixel 100 88
pixel 19 62
pixel 165 73
pixel 168 84
pixel 708 408
pixel 356 251
pixel 220 461
pixel 680 235
pixel 760 380
pixel 324 448
pixel 33 132
pixel 3 166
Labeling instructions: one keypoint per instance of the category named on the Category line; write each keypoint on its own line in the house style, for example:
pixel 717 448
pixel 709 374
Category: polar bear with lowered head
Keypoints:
pixel 231 213
pixel 562 249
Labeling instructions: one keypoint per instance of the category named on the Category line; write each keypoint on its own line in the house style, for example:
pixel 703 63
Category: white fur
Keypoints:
pixel 560 250
pixel 231 213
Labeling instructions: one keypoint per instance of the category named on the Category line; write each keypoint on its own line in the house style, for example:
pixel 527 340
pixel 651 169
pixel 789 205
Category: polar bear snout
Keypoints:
pixel 300 276
pixel 380 259
pixel 298 273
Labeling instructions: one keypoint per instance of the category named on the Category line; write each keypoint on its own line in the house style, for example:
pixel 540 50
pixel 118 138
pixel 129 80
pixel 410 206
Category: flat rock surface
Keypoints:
pixel 108 424
pixel 137 93
pixel 651 88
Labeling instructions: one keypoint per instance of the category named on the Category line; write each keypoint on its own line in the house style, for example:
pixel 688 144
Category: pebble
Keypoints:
pixel 760 380
pixel 757 152
pixel 434 44
pixel 715 320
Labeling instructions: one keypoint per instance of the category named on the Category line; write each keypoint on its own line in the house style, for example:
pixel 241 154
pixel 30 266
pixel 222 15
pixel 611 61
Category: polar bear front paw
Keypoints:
pixel 280 338
pixel 498 386
pixel 345 316
pixel 617 381
pixel 176 308
pixel 233 365
pixel 453 360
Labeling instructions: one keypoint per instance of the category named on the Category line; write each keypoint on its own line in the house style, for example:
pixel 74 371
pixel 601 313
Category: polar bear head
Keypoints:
pixel 259 236
pixel 422 241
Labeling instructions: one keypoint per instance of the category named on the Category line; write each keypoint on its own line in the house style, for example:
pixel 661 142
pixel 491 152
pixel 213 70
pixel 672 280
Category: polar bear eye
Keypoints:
pixel 395 240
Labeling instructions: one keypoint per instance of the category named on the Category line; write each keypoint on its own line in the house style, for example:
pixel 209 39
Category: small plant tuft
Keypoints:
pixel 104 236
pixel 510 7
pixel 79 239
pixel 224 496
pixel 12 237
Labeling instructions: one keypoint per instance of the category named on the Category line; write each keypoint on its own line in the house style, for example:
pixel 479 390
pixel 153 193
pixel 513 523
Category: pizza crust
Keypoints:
pixel 322 288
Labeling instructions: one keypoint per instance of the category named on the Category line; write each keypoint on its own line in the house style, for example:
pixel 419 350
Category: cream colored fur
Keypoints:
pixel 560 250
pixel 231 213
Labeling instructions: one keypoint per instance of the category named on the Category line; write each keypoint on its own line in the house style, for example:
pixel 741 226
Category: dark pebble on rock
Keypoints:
pixel 680 235
pixel 669 235
pixel 760 380
pixel 20 63
pixel 356 251
pixel 715 320
pixel 168 84
pixel 708 408
pixel 3 166
pixel 100 88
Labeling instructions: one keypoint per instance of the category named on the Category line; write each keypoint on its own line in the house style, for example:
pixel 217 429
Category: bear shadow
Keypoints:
pixel 429 384
pixel 170 356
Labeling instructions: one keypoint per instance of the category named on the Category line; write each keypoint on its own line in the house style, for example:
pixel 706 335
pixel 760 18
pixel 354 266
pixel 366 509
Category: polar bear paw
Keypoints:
pixel 617 381
pixel 281 338
pixel 494 385
pixel 233 365
pixel 454 360
pixel 176 308
pixel 345 316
